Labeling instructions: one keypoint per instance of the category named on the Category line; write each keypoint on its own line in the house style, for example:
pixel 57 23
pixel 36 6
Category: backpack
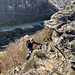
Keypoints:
pixel 27 42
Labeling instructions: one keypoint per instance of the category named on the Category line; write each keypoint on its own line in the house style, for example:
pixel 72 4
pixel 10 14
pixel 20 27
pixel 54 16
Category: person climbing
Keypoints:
pixel 30 43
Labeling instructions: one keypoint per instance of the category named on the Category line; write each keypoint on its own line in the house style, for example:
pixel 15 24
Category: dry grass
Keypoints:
pixel 48 33
pixel 16 53
pixel 38 54
pixel 29 65
pixel 42 35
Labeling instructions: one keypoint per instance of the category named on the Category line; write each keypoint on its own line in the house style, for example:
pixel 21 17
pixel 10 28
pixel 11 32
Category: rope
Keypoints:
pixel 57 68
pixel 59 65
pixel 41 56
pixel 60 51
pixel 43 63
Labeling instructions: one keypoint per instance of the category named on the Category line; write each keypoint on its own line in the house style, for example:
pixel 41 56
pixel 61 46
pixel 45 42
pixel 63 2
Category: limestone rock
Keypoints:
pixel 63 23
pixel 59 56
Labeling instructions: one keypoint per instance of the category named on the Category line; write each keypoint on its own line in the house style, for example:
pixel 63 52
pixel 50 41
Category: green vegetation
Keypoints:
pixel 48 34
pixel 35 25
pixel 30 65
pixel 18 32
pixel 42 23
pixel 32 11
pixel 38 54
pixel 57 73
pixel 25 19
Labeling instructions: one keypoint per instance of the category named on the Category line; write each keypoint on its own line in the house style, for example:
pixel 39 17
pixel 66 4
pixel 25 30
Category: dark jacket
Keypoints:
pixel 30 45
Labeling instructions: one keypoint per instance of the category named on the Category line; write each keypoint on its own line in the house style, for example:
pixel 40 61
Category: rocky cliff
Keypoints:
pixel 56 57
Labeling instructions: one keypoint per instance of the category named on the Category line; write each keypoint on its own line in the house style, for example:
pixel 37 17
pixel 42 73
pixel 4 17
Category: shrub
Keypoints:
pixel 17 52
pixel 38 54
pixel 29 65
pixel 48 33
pixel 42 23
pixel 18 32
pixel 57 73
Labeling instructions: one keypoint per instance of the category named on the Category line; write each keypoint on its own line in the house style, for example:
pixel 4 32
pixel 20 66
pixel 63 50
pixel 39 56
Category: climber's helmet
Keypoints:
pixel 31 40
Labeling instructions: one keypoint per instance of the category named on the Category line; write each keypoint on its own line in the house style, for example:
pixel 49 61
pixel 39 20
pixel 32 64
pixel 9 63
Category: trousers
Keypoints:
pixel 31 50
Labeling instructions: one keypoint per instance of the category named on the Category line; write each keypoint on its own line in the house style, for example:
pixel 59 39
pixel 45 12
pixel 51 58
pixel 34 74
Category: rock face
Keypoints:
pixel 57 58
pixel 63 24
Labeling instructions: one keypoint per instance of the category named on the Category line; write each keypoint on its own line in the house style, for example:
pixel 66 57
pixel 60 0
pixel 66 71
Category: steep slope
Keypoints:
pixel 57 57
